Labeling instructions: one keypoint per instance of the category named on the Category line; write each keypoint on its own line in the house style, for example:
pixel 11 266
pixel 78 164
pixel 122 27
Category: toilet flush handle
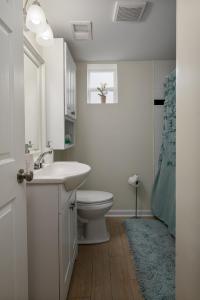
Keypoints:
pixel 72 205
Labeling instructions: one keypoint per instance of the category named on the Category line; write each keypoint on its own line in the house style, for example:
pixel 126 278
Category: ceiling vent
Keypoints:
pixel 82 30
pixel 129 11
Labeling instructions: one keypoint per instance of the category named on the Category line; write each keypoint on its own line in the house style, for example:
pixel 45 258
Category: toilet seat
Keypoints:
pixel 85 197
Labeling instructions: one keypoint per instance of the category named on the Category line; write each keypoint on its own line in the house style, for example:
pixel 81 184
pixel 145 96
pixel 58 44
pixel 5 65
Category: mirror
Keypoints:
pixel 34 98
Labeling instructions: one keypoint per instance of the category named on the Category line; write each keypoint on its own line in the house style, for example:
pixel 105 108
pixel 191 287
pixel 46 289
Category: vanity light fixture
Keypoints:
pixel 45 37
pixel 36 22
pixel 35 18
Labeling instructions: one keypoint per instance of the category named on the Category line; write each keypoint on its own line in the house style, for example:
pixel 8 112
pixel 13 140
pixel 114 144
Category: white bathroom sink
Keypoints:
pixel 71 174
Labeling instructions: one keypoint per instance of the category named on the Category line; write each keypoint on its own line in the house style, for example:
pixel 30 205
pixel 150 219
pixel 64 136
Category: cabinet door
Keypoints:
pixel 55 92
pixel 73 227
pixel 73 88
pixel 67 80
pixel 70 86
pixel 64 244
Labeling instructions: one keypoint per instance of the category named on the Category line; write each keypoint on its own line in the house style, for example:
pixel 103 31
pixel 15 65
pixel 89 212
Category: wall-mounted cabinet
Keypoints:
pixel 60 95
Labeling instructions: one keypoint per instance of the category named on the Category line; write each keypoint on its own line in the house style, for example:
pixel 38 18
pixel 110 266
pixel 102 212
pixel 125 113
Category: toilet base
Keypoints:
pixel 94 232
pixel 87 242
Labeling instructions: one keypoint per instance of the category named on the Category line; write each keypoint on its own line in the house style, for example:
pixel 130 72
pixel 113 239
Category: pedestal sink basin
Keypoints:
pixel 71 174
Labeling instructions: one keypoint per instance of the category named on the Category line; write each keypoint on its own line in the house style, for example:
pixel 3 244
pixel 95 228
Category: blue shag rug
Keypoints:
pixel 154 256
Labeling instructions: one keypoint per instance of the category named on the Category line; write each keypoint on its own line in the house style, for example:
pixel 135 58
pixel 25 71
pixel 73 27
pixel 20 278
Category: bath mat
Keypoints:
pixel 153 249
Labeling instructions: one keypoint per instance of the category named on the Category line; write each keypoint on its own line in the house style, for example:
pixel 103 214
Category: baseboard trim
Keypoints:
pixel 128 213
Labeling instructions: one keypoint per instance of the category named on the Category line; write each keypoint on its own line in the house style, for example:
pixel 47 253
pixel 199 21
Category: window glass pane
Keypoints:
pixel 99 74
pixel 110 97
pixel 96 78
pixel 94 97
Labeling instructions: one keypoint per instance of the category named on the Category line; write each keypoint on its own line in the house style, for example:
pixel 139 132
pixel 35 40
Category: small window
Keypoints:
pixel 102 83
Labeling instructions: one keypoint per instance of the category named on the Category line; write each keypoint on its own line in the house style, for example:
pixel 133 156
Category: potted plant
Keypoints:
pixel 102 92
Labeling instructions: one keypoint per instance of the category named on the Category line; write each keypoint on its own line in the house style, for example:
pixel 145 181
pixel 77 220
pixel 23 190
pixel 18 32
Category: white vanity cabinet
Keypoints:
pixel 67 241
pixel 60 71
pixel 52 240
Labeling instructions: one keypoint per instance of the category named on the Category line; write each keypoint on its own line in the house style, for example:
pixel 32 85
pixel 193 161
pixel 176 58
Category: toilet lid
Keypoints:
pixel 90 197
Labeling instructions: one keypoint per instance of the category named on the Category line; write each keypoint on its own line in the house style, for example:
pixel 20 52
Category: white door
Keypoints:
pixel 13 243
pixel 188 151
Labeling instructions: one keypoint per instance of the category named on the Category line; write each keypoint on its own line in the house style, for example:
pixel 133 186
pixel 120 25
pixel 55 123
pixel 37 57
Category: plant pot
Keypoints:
pixel 103 99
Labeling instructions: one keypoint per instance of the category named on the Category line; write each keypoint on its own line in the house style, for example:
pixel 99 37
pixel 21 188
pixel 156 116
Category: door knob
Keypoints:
pixel 21 175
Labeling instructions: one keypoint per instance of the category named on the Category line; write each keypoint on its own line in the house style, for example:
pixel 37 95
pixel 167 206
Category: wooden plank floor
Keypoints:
pixel 105 271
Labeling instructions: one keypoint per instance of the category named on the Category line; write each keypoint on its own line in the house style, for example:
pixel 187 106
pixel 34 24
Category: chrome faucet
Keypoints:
pixel 39 161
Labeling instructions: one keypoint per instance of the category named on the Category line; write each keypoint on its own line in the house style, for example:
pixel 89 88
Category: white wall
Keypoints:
pixel 188 150
pixel 117 139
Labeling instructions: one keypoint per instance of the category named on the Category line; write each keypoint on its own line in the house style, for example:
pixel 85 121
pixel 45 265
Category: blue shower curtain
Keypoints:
pixel 163 194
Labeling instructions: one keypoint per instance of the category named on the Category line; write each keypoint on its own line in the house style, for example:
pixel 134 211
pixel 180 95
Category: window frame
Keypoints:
pixel 102 68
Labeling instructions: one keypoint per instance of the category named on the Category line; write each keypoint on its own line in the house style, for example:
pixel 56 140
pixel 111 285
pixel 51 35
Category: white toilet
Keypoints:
pixel 92 207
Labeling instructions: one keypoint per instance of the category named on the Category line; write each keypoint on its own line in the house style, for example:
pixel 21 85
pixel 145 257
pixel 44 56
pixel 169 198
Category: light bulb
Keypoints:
pixel 35 19
pixel 45 37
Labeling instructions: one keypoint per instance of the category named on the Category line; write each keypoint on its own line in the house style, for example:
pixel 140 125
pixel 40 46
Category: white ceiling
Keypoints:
pixel 153 38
